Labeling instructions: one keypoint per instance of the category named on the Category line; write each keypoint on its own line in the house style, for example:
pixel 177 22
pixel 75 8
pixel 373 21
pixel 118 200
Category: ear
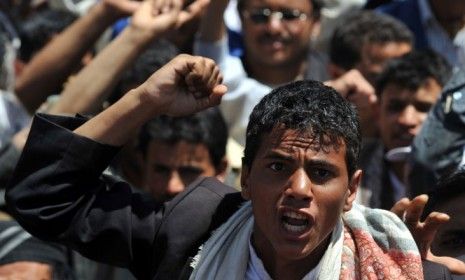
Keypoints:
pixel 335 71
pixel 354 183
pixel 245 191
pixel 221 170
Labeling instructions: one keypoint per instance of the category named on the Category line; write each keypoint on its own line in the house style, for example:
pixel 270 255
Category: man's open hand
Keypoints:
pixel 410 211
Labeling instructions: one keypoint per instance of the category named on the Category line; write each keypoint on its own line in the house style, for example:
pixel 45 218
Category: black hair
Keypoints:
pixel 307 106
pixel 153 58
pixel 358 28
pixel 316 7
pixel 39 29
pixel 448 187
pixel 411 70
pixel 206 127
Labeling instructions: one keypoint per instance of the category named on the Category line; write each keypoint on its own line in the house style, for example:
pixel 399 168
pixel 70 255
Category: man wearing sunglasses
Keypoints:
pixel 276 39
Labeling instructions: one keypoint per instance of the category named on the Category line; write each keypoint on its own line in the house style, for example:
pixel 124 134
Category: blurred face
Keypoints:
pixel 375 55
pixel 298 194
pixel 450 238
pixel 169 168
pixel 277 32
pixel 402 112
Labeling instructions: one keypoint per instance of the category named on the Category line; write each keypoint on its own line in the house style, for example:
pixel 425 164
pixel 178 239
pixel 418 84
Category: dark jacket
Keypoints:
pixel 58 194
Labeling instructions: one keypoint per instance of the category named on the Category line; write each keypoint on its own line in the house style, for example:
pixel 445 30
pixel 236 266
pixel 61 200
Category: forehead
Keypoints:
pixel 301 145
pixel 376 52
pixel 303 5
pixel 428 92
pixel 178 153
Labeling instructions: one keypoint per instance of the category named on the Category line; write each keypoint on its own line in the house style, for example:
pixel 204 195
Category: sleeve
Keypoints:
pixel 57 193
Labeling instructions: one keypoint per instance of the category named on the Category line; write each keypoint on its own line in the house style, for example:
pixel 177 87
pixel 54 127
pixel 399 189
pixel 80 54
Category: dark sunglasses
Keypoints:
pixel 261 16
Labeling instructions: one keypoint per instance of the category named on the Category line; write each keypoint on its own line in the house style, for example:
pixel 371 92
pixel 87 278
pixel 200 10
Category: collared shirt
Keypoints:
pixel 256 270
pixel 439 40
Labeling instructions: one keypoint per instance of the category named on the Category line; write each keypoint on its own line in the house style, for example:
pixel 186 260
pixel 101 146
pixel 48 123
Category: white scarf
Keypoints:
pixel 225 255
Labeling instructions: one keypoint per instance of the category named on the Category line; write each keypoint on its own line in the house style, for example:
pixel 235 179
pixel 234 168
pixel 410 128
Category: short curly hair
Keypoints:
pixel 307 106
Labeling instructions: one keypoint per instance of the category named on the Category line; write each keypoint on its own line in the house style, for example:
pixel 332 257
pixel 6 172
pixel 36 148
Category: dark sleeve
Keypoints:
pixel 58 193
pixel 435 271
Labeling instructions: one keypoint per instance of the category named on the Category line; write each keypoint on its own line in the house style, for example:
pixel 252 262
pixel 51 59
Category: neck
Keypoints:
pixel 280 268
pixel 275 74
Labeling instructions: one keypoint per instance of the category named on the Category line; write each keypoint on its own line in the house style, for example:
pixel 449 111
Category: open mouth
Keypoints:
pixel 294 222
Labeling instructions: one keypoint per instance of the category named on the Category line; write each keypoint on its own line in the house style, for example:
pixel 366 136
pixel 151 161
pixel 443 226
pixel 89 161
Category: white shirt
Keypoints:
pixel 256 270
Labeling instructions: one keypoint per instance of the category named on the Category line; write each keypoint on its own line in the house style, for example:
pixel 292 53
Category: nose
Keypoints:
pixel 409 116
pixel 175 184
pixel 300 186
pixel 275 23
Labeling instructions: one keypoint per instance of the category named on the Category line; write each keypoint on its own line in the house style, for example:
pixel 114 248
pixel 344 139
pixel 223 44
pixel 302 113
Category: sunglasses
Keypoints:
pixel 262 16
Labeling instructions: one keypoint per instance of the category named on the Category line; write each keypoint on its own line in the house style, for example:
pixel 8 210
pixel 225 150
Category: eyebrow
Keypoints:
pixel 312 162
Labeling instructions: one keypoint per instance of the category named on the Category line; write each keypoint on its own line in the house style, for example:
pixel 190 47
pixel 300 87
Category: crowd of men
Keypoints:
pixel 232 139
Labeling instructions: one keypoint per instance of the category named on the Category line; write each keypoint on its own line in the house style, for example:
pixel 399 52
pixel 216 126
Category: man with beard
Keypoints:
pixel 276 38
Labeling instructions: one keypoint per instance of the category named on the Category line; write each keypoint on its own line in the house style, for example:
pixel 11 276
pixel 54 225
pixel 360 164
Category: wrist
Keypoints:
pixel 141 36
pixel 105 14
pixel 146 101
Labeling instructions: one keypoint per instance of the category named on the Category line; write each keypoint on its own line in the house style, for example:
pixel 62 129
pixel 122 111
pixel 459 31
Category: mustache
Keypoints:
pixel 267 37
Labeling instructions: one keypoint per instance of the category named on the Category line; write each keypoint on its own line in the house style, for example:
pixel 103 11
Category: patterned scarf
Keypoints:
pixel 375 245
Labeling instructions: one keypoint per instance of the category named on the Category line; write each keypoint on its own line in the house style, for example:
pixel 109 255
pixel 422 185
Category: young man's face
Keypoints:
pixel 275 41
pixel 298 194
pixel 402 112
pixel 169 168
pixel 375 55
pixel 450 238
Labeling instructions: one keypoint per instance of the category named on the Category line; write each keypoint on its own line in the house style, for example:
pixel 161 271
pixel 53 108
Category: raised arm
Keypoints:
pixel 85 93
pixel 50 68
pixel 212 27
pixel 64 197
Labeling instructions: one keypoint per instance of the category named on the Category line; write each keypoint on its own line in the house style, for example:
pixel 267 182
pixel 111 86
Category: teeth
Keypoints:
pixel 294 222
pixel 294 215
pixel 293 228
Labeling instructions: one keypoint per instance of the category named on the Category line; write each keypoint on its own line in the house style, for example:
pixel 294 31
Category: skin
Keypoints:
pixel 170 167
pixel 375 55
pixel 424 232
pixel 277 44
pixel 288 175
pixel 26 270
pixel 450 238
pixel 402 112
